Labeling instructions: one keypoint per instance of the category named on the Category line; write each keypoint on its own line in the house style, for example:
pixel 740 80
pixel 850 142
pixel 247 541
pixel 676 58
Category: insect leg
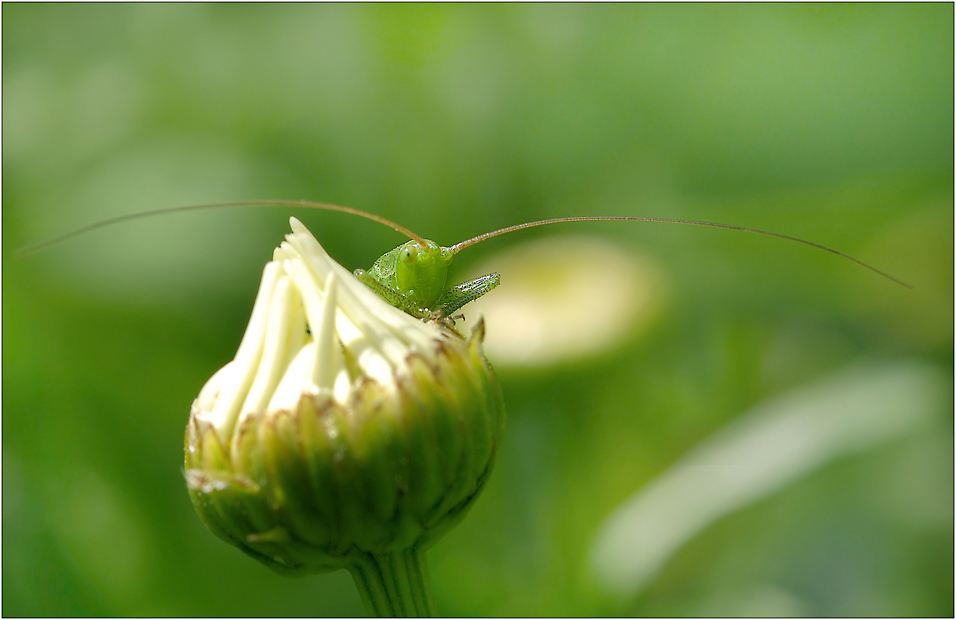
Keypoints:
pixel 390 295
pixel 457 296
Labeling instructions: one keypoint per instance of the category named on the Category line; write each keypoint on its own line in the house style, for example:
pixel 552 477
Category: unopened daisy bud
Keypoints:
pixel 345 433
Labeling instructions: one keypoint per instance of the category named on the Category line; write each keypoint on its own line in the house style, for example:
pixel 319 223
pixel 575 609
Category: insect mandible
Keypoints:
pixel 412 277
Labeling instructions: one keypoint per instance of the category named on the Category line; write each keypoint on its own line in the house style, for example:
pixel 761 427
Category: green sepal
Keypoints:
pixel 306 489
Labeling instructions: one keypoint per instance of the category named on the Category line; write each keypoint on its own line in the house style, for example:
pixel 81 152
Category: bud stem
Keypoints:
pixel 394 584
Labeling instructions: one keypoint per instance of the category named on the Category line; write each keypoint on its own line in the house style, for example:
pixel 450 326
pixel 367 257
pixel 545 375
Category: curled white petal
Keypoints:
pixel 311 315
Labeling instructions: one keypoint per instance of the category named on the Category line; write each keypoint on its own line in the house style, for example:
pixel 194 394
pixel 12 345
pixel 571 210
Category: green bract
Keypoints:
pixel 345 434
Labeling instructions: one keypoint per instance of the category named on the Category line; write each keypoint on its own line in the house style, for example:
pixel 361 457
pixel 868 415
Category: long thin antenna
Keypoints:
pixel 34 247
pixel 664 220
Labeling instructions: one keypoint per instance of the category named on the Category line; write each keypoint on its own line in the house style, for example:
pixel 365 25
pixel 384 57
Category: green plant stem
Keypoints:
pixel 394 584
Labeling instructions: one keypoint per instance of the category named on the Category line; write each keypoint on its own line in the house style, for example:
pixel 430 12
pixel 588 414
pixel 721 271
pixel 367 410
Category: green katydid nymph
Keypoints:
pixel 412 277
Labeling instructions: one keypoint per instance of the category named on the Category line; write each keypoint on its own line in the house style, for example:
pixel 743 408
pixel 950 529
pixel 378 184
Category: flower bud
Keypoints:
pixel 344 429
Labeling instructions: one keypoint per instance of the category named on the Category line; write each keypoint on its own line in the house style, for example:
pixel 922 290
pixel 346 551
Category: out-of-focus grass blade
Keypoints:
pixel 764 450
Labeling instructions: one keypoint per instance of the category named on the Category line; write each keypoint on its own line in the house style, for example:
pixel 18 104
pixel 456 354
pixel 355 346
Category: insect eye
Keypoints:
pixel 409 254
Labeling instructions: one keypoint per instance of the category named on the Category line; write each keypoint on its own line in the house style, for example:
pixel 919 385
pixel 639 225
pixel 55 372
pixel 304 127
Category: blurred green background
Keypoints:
pixel 829 122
